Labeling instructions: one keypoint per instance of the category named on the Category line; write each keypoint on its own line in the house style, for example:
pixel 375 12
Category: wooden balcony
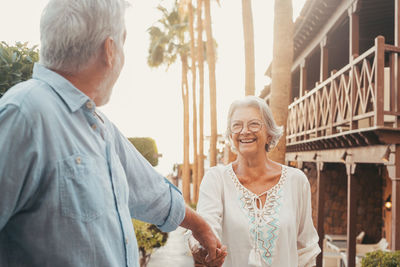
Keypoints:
pixel 358 105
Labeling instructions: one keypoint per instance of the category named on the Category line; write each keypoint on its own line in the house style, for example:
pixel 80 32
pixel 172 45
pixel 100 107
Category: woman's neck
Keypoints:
pixel 255 168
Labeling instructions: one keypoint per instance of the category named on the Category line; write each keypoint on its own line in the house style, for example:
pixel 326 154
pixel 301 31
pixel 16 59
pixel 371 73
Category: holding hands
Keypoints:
pixel 205 246
pixel 201 254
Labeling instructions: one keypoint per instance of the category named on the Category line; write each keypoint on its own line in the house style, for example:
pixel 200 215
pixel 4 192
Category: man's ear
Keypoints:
pixel 109 51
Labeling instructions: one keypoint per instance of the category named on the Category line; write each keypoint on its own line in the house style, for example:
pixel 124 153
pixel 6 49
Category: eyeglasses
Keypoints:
pixel 253 126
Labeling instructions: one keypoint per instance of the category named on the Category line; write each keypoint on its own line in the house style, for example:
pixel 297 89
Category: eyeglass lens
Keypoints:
pixel 253 126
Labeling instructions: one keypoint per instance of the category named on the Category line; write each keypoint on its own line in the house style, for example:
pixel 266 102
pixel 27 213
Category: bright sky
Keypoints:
pixel 147 102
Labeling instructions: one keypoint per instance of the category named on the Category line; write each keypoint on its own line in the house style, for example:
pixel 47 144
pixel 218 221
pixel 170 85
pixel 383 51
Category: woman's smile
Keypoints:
pixel 247 140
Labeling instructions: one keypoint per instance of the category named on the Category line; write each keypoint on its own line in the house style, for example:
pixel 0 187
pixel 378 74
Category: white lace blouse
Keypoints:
pixel 281 234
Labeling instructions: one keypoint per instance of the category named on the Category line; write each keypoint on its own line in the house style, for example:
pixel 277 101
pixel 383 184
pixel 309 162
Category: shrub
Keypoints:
pixel 148 237
pixel 147 147
pixel 381 259
pixel 16 64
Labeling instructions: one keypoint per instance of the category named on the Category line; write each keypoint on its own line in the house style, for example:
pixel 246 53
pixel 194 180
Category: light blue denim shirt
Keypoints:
pixel 70 182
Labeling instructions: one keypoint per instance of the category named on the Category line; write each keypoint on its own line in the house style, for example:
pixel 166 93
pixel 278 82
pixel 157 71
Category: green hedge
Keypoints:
pixel 149 237
pixel 16 64
pixel 147 147
pixel 381 259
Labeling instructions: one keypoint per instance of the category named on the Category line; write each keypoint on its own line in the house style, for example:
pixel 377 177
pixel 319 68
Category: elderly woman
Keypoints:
pixel 260 209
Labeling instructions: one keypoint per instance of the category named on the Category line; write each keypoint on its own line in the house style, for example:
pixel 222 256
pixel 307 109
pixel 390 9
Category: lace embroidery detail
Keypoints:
pixel 265 226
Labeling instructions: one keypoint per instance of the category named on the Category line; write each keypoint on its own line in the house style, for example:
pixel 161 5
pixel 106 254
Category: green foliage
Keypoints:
pixel 168 37
pixel 193 205
pixel 381 259
pixel 149 237
pixel 147 147
pixel 16 64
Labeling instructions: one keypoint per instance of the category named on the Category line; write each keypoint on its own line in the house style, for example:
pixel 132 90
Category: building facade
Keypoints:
pixel 343 126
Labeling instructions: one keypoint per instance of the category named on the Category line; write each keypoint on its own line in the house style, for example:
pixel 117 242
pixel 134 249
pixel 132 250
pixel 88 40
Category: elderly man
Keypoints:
pixel 69 181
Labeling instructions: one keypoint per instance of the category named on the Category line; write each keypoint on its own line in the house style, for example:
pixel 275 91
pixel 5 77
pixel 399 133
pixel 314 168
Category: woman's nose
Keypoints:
pixel 245 129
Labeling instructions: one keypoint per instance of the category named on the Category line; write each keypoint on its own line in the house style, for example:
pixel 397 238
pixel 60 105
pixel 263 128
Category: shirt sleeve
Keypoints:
pixel 307 236
pixel 19 164
pixel 209 205
pixel 152 198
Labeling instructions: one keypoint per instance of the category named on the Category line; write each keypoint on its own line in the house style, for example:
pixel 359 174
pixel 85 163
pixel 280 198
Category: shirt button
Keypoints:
pixel 89 105
pixel 94 126
pixel 126 241
pixel 78 160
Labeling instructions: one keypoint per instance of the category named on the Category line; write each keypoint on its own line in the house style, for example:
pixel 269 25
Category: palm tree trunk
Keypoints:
pixel 186 164
pixel 213 86
pixel 193 69
pixel 281 70
pixel 248 33
pixel 200 62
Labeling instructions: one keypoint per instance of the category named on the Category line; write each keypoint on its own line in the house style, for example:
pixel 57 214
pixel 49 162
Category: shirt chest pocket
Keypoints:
pixel 81 188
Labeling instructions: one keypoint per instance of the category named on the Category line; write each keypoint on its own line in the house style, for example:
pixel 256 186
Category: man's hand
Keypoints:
pixel 211 250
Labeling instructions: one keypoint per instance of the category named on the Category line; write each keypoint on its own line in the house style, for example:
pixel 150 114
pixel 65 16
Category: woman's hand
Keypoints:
pixel 200 254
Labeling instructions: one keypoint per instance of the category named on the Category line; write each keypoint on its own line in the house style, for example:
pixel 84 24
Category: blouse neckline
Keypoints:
pixel 274 188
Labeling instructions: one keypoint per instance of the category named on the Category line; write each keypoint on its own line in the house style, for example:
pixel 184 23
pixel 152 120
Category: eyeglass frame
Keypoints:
pixel 249 128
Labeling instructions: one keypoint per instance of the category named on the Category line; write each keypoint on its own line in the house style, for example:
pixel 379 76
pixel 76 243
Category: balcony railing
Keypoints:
pixel 365 94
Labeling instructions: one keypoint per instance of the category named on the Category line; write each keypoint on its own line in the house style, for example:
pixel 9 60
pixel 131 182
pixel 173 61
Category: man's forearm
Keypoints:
pixel 192 220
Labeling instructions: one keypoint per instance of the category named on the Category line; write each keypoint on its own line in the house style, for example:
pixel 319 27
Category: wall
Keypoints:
pixel 369 204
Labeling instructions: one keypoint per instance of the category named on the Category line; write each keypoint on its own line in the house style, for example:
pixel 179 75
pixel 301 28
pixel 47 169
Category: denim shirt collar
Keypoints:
pixel 72 97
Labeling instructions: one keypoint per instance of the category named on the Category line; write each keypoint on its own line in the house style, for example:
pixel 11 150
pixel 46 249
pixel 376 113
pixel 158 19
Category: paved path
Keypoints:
pixel 175 253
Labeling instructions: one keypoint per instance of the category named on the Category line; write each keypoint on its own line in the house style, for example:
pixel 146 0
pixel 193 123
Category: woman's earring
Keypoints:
pixel 267 147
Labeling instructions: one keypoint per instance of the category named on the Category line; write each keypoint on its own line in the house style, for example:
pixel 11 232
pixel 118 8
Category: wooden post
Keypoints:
pixel 323 74
pixel 379 79
pixel 396 213
pixel 320 209
pixel 354 51
pixel 353 96
pixel 397 58
pixel 396 22
pixel 303 78
pixel 394 174
pixel 351 213
pixel 333 90
pixel 397 89
pixel 354 31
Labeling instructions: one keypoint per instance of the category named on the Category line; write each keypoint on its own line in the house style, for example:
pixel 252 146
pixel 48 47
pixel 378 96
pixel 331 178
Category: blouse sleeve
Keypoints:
pixel 307 236
pixel 209 205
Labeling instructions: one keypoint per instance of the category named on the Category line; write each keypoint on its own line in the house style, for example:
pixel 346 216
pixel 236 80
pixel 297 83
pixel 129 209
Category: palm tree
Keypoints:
pixel 167 42
pixel 193 69
pixel 200 60
pixel 248 33
pixel 281 70
pixel 212 82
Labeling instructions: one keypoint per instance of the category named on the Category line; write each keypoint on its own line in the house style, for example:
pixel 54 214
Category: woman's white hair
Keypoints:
pixel 72 31
pixel 273 130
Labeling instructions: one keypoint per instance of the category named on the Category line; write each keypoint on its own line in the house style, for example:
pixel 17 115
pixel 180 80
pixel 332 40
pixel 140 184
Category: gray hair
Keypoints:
pixel 72 31
pixel 274 131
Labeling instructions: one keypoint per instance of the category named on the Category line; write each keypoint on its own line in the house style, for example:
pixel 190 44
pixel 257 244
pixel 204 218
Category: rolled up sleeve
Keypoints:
pixel 176 212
